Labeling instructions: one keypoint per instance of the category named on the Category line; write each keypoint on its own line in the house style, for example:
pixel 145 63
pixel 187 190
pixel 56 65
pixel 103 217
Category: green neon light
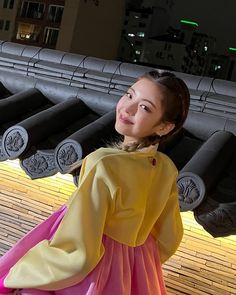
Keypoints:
pixel 189 22
pixel 232 48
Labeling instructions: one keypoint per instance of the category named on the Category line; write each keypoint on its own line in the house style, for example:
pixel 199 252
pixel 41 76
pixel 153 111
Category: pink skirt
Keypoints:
pixel 123 270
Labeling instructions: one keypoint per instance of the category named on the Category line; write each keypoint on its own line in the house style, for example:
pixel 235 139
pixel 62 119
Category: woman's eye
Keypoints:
pixel 128 95
pixel 145 107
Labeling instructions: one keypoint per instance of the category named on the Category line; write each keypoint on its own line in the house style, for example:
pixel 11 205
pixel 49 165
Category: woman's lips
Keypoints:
pixel 125 120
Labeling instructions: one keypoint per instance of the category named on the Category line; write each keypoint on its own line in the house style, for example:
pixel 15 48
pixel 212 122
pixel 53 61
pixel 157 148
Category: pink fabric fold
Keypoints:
pixel 123 270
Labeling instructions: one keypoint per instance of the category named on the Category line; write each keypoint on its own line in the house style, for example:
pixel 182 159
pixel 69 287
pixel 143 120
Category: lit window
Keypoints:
pixel 141 34
pixel 217 67
pixel 28 32
pixel 131 35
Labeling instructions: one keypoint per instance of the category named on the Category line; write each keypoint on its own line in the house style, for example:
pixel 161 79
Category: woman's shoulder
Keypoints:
pixel 114 157
pixel 95 161
pixel 101 156
pixel 166 161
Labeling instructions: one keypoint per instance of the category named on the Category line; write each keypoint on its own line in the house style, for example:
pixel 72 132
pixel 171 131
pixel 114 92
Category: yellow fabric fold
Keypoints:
pixel 123 195
pixel 168 229
pixel 76 246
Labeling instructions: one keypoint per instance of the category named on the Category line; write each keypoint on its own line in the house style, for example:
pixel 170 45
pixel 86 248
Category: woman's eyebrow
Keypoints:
pixel 131 88
pixel 144 99
pixel 149 101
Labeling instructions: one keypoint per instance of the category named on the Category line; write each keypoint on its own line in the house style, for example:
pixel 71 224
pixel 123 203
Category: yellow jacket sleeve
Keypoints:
pixel 76 247
pixel 168 229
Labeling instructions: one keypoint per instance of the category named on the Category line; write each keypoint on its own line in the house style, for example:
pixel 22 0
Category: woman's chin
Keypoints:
pixel 119 129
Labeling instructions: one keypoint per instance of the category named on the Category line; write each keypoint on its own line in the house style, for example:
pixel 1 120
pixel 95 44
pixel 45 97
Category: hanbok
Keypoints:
pixel 110 238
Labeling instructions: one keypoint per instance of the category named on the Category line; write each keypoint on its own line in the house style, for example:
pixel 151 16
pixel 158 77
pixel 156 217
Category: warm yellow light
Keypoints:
pixel 191 226
pixel 54 190
pixel 65 184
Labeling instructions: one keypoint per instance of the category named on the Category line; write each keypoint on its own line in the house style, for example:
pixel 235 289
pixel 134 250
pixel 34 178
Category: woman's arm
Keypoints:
pixel 76 247
pixel 168 229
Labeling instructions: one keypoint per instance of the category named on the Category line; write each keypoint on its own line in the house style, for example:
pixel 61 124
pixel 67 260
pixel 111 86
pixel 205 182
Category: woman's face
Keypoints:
pixel 139 111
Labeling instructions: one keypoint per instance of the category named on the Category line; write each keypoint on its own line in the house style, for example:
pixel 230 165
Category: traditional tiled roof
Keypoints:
pixel 56 107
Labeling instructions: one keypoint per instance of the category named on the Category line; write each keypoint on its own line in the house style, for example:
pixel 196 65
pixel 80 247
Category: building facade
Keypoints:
pixel 165 54
pixel 134 34
pixel 84 26
pixel 8 12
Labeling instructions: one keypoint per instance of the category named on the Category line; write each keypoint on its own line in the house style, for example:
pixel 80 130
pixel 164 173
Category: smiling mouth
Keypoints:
pixel 124 120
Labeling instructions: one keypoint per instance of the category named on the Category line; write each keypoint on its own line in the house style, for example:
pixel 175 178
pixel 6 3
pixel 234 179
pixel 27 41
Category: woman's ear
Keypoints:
pixel 164 128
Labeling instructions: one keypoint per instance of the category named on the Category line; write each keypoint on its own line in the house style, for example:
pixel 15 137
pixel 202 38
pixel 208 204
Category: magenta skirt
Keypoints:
pixel 123 270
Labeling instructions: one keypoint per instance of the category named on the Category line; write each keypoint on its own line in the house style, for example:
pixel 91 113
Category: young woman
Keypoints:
pixel 123 220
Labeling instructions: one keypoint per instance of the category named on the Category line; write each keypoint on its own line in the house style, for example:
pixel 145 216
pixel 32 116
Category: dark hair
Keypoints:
pixel 175 104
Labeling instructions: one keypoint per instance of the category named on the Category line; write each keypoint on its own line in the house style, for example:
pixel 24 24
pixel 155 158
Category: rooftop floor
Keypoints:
pixel 202 265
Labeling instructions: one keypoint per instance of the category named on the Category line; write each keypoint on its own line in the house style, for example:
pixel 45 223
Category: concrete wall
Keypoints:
pixel 96 27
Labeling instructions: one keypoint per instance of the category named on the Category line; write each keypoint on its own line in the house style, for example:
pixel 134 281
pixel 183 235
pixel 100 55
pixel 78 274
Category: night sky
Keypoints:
pixel 215 18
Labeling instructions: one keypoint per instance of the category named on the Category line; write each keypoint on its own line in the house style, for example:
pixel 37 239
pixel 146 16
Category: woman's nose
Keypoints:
pixel 131 108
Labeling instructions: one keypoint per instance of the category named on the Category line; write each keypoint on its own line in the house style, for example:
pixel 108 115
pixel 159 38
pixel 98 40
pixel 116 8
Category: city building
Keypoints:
pixel 167 51
pixel 8 11
pixel 72 26
pixel 218 66
pixel 134 34
pixel 148 38
pixel 221 67
pixel 198 50
pixel 143 20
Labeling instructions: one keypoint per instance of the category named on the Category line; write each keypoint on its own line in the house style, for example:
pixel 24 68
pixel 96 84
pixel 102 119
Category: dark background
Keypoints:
pixel 215 18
